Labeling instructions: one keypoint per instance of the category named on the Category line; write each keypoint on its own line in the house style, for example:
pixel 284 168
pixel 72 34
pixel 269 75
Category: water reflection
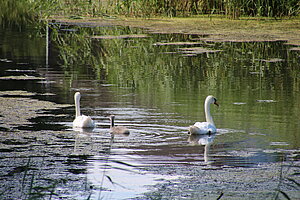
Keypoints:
pixel 120 177
pixel 84 130
pixel 203 140
pixel 242 72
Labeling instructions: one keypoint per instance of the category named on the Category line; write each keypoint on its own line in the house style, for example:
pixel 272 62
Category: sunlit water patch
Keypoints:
pixel 121 177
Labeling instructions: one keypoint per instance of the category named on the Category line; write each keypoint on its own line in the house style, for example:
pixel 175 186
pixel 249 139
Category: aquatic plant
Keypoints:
pixel 20 12
pixel 230 8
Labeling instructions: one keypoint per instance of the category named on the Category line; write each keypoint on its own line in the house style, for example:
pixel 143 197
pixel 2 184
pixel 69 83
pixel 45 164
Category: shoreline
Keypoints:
pixel 216 29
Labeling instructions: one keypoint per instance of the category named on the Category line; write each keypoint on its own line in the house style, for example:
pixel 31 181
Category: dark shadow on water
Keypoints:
pixel 42 126
pixel 58 119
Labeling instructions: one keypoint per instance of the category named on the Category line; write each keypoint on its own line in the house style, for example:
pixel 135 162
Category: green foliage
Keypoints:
pixel 20 12
pixel 231 8
pixel 80 7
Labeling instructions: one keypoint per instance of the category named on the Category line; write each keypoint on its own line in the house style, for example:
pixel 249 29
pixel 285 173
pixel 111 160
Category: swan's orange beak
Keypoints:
pixel 216 104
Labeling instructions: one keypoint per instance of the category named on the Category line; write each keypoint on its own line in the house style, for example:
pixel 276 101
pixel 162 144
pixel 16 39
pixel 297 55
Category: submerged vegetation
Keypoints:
pixel 19 12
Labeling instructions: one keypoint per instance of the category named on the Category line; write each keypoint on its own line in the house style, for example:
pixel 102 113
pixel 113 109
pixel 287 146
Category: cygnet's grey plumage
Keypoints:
pixel 117 129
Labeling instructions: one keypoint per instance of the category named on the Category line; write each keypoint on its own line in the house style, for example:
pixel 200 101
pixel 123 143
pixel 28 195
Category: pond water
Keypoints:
pixel 156 85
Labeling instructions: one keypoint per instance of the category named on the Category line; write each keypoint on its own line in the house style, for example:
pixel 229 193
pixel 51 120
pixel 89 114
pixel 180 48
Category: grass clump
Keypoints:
pixel 19 12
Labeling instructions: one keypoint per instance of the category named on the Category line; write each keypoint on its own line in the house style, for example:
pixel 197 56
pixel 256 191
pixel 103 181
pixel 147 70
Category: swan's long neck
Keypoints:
pixel 207 112
pixel 77 105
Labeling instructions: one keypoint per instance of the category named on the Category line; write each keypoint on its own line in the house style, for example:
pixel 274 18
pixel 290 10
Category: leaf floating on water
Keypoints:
pixel 175 43
pixel 266 101
pixel 22 63
pixel 169 52
pixel 279 144
pixel 239 103
pixel 272 60
pixel 255 73
pixel 24 77
pixel 119 36
pixel 69 30
pixel 295 49
pixel 75 17
pixel 20 70
pixel 256 133
pixel 189 55
pixel 16 93
pixel 46 82
pixel 197 50
pixel 5 60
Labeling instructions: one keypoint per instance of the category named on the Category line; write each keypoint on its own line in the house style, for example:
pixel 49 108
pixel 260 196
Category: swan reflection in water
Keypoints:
pixel 84 130
pixel 83 139
pixel 203 140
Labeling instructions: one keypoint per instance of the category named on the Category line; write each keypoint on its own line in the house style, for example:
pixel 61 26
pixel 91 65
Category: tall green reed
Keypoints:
pixel 230 8
pixel 22 12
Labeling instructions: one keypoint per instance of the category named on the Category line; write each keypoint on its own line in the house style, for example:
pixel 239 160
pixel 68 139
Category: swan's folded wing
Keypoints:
pixel 202 128
pixel 83 122
pixel 193 130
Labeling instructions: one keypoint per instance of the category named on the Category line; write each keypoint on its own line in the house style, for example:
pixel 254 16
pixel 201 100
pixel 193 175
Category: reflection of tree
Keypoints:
pixel 25 46
pixel 137 63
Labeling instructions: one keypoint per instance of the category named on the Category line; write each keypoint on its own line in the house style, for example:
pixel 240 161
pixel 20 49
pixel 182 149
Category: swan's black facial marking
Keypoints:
pixel 215 102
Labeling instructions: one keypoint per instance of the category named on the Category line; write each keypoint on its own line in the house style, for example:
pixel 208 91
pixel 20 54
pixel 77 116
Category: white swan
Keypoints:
pixel 117 129
pixel 207 127
pixel 81 121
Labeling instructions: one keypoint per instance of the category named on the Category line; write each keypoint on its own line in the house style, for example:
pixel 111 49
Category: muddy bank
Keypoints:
pixel 217 29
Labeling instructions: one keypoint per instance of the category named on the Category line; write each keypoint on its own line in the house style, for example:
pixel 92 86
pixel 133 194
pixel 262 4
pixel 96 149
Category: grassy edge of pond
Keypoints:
pixel 218 28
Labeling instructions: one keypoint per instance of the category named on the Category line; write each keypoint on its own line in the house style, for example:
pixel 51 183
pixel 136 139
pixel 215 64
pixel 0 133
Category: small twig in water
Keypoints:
pixel 220 196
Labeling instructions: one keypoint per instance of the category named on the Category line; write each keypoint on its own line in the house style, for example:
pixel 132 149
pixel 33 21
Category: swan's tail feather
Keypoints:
pixel 193 130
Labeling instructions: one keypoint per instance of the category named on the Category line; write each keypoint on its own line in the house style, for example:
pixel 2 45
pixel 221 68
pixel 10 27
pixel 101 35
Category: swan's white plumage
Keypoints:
pixel 202 128
pixel 208 126
pixel 81 121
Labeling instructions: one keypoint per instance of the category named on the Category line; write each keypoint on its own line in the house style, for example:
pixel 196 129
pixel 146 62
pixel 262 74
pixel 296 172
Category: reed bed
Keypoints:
pixel 19 12
pixel 230 8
